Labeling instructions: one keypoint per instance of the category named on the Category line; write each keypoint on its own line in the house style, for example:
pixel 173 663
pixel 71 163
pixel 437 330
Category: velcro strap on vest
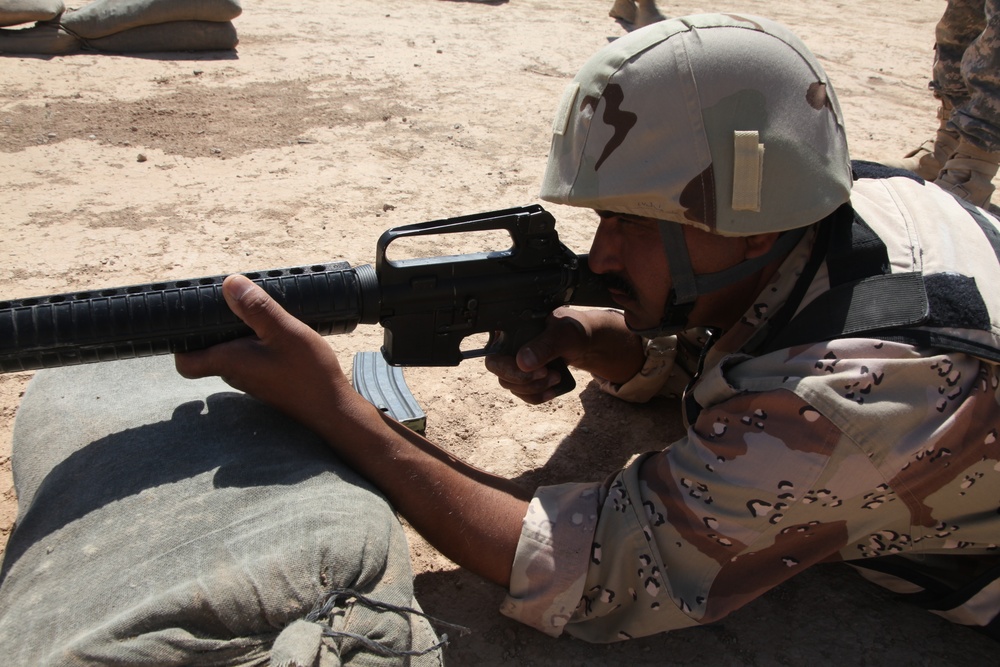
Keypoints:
pixel 866 305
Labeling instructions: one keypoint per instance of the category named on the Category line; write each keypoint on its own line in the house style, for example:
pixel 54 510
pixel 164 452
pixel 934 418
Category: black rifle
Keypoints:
pixel 427 306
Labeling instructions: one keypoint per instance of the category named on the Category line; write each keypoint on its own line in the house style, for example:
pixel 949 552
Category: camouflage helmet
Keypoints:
pixel 724 122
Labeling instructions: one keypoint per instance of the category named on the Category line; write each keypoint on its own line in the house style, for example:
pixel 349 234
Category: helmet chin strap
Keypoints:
pixel 687 287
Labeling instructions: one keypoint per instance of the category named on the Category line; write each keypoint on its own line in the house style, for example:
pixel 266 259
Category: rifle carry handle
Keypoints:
pixel 535 251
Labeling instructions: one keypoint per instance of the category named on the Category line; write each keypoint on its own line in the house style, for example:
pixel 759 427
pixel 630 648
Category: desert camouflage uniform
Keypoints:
pixel 852 449
pixel 967 69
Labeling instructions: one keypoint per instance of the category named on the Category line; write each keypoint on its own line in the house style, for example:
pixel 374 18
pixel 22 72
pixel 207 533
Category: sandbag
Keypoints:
pixel 15 12
pixel 42 39
pixel 163 521
pixel 106 17
pixel 175 36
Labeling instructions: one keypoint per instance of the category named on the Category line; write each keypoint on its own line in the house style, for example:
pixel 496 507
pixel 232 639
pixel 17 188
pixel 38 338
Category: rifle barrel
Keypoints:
pixel 174 316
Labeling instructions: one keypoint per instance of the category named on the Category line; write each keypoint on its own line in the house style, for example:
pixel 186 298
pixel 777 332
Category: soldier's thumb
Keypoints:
pixel 251 303
pixel 536 354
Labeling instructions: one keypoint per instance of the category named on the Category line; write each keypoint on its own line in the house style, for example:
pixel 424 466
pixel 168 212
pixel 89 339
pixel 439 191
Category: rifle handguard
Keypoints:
pixel 174 316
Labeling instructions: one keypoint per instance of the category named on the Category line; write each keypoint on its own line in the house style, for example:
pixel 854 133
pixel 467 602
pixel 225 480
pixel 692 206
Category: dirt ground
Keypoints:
pixel 337 119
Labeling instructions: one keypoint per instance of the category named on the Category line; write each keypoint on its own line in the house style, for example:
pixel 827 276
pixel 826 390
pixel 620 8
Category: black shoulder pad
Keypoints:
pixel 864 169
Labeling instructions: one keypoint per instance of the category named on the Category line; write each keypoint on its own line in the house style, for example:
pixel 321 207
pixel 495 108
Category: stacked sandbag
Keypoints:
pixel 129 26
pixel 164 521
pixel 16 12
pixel 155 25
pixel 43 38
pixel 173 36
pixel 108 17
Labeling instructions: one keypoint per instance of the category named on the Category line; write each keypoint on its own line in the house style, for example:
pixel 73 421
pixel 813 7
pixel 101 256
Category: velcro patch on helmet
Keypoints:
pixel 748 171
pixel 565 109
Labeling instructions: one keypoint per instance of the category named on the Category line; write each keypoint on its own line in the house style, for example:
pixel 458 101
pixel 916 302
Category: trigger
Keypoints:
pixel 494 343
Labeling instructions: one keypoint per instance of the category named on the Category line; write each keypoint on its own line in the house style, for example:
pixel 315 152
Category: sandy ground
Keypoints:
pixel 337 119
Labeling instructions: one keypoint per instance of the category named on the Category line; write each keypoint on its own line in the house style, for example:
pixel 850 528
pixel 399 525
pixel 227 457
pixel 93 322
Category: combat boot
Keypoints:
pixel 969 173
pixel 623 10
pixel 647 13
pixel 927 159
pixel 637 13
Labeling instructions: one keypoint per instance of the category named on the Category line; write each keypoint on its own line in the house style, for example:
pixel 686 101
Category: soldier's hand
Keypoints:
pixel 526 375
pixel 597 341
pixel 286 364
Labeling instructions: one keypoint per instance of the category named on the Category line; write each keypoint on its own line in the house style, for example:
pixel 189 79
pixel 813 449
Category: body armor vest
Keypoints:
pixel 884 266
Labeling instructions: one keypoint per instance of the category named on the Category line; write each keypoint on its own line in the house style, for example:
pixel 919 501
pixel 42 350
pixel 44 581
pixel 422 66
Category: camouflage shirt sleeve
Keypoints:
pixel 552 556
pixel 668 368
pixel 797 457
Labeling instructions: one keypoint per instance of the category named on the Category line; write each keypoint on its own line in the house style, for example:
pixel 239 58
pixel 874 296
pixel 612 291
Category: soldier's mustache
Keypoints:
pixel 618 282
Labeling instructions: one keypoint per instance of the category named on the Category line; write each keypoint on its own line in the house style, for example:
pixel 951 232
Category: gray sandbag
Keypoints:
pixel 163 521
pixel 175 36
pixel 42 39
pixel 15 12
pixel 106 17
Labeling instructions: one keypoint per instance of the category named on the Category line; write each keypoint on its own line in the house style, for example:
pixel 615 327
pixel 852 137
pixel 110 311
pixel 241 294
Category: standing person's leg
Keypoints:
pixel 961 23
pixel 969 171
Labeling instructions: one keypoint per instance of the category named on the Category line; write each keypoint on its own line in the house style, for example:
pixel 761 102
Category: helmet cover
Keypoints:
pixel 724 122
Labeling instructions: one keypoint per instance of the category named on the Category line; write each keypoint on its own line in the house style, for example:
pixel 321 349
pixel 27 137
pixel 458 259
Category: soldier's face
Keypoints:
pixel 628 251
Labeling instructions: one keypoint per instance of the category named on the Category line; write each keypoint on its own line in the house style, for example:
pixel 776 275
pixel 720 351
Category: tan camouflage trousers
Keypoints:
pixel 967 69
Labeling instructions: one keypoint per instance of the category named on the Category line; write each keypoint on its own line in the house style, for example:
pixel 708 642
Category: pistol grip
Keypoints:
pixel 567 382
